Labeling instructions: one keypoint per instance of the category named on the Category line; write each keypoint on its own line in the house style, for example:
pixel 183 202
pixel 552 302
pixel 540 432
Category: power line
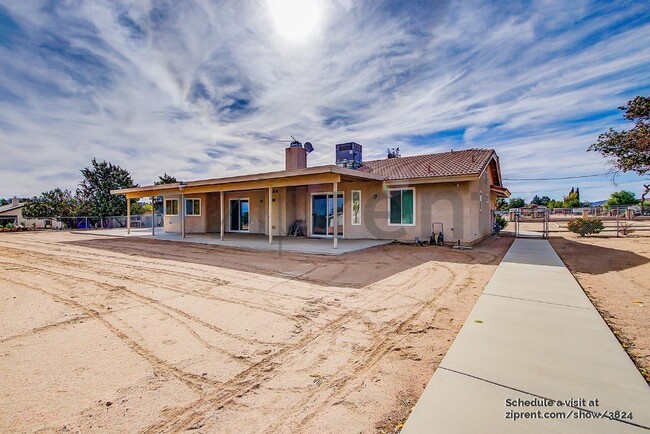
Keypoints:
pixel 572 167
pixel 554 179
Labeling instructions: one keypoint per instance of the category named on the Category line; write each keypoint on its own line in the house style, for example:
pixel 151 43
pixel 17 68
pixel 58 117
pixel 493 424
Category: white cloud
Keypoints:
pixel 201 89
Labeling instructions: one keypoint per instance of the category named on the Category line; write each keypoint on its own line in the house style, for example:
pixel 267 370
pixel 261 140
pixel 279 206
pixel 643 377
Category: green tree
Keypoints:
pixel 95 189
pixel 572 200
pixel 165 179
pixel 622 197
pixel 552 203
pixel 516 202
pixel 4 202
pixel 53 203
pixel 502 203
pixel 629 149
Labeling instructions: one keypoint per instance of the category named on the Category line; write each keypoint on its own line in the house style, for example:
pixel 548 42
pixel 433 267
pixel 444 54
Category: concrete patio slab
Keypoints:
pixel 314 246
pixel 533 334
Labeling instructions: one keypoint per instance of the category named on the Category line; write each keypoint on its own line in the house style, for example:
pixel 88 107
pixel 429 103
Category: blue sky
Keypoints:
pixel 203 89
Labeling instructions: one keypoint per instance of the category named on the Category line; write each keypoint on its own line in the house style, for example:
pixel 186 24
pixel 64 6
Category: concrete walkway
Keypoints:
pixel 533 334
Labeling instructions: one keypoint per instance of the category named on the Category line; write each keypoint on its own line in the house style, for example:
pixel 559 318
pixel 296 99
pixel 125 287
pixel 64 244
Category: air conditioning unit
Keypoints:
pixel 348 155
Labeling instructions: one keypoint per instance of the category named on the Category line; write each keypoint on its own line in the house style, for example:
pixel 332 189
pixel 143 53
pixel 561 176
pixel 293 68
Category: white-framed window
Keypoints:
pixel 401 207
pixel 480 201
pixel 356 207
pixel 193 206
pixel 171 207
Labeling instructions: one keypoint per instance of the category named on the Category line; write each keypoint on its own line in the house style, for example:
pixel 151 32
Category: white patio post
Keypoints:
pixel 182 215
pixel 222 211
pixel 270 215
pixel 335 213
pixel 153 216
pixel 128 215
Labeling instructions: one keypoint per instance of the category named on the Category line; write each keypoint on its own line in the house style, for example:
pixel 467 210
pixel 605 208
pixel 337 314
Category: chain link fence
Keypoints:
pixel 85 222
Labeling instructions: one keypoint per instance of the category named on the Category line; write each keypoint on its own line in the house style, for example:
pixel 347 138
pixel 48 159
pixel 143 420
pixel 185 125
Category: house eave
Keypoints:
pixel 309 175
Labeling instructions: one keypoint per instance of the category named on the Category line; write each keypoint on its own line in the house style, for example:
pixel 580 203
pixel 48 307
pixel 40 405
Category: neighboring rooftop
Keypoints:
pixel 454 163
pixel 14 204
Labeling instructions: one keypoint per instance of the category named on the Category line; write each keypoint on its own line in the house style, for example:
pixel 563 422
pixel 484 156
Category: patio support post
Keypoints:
pixel 335 213
pixel 182 215
pixel 153 216
pixel 128 215
pixel 270 215
pixel 222 216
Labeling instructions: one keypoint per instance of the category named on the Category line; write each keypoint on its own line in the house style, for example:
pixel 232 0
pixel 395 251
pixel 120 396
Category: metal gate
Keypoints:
pixel 528 216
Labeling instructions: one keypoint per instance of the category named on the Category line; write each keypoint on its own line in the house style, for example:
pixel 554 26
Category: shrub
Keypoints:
pixel 586 226
pixel 10 226
pixel 500 221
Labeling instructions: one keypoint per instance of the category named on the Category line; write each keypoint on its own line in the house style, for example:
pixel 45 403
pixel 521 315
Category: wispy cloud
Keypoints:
pixel 204 89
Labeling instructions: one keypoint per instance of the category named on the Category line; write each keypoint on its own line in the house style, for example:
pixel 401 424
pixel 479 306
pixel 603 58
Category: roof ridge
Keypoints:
pixel 429 154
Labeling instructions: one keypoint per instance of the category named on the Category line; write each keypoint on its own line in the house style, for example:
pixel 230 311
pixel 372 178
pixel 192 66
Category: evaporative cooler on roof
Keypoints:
pixel 348 155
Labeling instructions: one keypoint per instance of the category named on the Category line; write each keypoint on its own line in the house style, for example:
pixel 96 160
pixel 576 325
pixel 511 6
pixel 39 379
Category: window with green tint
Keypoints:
pixel 407 207
pixel 402 206
pixel 396 207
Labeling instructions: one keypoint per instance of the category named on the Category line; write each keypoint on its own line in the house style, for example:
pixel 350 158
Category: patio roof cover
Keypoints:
pixel 282 178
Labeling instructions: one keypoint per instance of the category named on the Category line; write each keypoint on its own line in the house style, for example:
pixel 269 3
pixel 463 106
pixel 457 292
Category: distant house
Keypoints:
pixel 12 213
pixel 396 198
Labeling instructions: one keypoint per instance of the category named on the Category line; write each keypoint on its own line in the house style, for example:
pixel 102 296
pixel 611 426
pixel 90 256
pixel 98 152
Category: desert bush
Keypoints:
pixel 500 221
pixel 626 228
pixel 586 226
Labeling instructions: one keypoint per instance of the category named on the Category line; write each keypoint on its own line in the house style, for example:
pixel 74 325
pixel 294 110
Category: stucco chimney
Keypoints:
pixel 295 157
pixel 14 201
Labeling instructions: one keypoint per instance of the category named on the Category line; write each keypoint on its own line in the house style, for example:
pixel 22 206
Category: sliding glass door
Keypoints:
pixel 326 215
pixel 239 215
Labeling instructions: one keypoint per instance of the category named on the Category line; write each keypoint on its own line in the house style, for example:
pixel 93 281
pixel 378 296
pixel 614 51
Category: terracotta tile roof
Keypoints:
pixel 455 163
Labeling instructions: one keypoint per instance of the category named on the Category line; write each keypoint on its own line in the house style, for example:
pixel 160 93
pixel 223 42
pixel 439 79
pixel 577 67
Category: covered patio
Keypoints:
pixel 238 209
pixel 317 246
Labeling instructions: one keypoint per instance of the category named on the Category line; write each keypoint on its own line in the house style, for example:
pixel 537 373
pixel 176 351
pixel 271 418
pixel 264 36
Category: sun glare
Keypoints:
pixel 296 20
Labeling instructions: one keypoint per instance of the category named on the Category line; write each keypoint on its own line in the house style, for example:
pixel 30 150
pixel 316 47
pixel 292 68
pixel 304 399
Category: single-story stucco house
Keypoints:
pixel 397 198
pixel 12 212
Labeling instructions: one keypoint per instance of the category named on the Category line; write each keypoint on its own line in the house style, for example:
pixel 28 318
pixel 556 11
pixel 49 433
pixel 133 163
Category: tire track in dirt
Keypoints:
pixel 121 289
pixel 392 334
pixel 91 265
pixel 248 267
pixel 90 268
pixel 252 378
pixel 44 328
pixel 272 366
pixel 195 382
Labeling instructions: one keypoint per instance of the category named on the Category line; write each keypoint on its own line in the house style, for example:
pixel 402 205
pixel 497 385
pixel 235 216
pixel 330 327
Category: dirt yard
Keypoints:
pixel 112 335
pixel 615 274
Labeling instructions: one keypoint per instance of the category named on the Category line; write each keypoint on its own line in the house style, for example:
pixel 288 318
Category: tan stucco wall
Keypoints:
pixel 441 203
pixel 455 205
pixel 481 217
pixel 193 224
